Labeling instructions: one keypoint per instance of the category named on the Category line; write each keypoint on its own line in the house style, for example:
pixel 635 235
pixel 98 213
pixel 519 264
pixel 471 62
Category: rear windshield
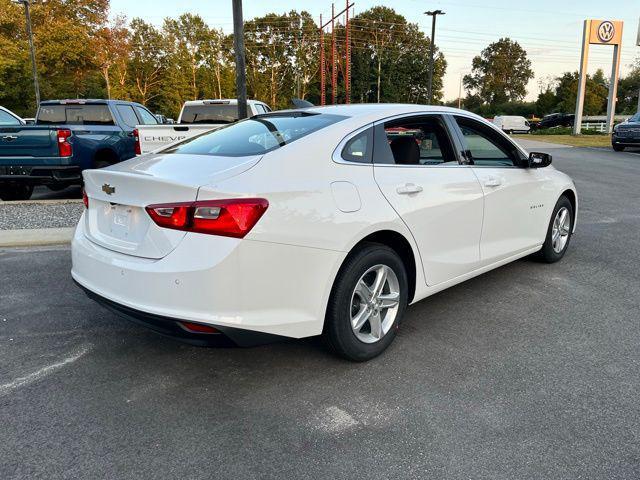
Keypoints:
pixel 217 113
pixel 256 135
pixel 74 115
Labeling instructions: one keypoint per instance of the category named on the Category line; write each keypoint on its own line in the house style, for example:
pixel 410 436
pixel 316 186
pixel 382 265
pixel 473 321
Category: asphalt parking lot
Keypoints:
pixel 530 371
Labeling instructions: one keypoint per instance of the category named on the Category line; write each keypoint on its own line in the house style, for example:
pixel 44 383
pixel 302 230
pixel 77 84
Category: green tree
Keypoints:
pixel 628 89
pixel 390 59
pixel 500 73
pixel 147 62
pixel 595 98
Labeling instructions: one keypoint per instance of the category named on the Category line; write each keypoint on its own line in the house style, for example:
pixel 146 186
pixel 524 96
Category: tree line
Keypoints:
pixel 81 54
pixel 499 76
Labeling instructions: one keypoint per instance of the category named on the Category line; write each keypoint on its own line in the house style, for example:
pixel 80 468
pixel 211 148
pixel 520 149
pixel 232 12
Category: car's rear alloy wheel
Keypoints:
pixel 374 303
pixel 559 232
pixel 368 300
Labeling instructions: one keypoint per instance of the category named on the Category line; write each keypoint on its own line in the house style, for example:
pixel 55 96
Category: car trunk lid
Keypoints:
pixel 117 219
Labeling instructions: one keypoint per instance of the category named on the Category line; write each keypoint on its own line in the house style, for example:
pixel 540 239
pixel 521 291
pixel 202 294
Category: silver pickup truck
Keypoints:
pixel 196 117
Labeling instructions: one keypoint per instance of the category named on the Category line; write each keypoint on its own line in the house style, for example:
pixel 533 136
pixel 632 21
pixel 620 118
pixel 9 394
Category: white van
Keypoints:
pixel 512 123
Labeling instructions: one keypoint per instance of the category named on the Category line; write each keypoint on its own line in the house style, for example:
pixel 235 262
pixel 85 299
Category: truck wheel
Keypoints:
pixel 15 192
pixel 617 148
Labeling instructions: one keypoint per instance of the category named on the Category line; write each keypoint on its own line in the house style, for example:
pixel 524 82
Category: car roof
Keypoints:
pixel 370 112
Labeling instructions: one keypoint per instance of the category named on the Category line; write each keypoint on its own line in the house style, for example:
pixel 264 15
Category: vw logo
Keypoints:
pixel 606 31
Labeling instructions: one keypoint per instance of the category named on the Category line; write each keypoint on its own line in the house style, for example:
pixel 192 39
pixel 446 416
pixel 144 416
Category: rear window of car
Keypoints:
pixel 74 115
pixel 215 113
pixel 255 136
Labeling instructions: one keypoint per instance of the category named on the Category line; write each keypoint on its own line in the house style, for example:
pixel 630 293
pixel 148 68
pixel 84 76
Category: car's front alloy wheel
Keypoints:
pixel 558 233
pixel 367 301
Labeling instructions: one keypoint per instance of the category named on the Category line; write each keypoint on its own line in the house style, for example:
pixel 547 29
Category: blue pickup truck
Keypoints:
pixel 68 137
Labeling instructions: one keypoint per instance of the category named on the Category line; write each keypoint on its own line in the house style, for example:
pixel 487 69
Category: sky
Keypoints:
pixel 549 30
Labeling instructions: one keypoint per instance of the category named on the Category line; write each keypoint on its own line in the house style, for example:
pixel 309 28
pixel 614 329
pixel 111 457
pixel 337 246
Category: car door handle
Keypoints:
pixel 408 188
pixel 492 182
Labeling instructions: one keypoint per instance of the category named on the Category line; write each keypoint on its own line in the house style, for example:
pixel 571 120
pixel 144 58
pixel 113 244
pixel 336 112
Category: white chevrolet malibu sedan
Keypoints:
pixel 322 221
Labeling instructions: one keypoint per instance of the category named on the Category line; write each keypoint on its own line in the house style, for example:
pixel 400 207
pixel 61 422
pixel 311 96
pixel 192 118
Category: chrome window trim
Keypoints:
pixel 337 152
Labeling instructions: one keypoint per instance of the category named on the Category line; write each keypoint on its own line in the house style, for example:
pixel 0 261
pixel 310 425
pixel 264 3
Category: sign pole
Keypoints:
pixel 613 87
pixel 582 78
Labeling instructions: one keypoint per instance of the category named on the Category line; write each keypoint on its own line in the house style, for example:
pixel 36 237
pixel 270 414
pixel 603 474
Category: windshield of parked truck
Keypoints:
pixel 74 114
pixel 209 113
pixel 255 136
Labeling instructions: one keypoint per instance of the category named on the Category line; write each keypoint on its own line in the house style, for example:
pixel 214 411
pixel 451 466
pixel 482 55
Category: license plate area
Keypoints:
pixel 121 223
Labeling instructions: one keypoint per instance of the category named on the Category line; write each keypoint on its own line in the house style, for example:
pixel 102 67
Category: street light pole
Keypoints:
pixel 238 45
pixel 34 70
pixel 433 14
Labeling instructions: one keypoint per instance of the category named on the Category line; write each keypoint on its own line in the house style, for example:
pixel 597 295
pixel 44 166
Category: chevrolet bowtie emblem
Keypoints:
pixel 108 189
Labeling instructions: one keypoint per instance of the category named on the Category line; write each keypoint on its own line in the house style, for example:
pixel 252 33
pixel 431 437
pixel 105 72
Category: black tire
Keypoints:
pixel 57 187
pixel 338 334
pixel 548 254
pixel 617 148
pixel 15 192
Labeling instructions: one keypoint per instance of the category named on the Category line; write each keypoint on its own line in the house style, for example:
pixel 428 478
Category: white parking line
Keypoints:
pixel 41 373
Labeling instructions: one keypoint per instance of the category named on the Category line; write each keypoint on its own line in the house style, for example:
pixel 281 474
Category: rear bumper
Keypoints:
pixel 223 282
pixel 40 175
pixel 171 326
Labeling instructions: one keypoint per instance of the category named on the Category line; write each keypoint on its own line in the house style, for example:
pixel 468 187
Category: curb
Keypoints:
pixel 35 237
pixel 61 201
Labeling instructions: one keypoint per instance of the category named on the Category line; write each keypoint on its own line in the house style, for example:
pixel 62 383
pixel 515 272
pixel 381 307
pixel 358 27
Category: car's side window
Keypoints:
pixel 128 115
pixel 486 147
pixel 146 117
pixel 359 148
pixel 415 140
pixel 8 119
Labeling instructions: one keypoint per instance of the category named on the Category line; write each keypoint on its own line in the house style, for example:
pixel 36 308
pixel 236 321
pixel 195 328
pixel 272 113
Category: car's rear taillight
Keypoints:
pixel 64 147
pixel 229 218
pixel 85 198
pixel 136 138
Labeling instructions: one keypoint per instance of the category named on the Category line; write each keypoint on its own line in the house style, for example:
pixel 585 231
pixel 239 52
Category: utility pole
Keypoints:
pixel 323 99
pixel 460 92
pixel 27 14
pixel 433 14
pixel 334 74
pixel 334 56
pixel 238 45
pixel 347 47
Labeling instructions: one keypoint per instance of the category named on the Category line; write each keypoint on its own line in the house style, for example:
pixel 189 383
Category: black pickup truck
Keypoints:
pixel 68 137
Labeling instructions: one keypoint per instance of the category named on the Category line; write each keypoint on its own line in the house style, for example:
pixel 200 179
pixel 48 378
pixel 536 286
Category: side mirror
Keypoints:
pixel 539 160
